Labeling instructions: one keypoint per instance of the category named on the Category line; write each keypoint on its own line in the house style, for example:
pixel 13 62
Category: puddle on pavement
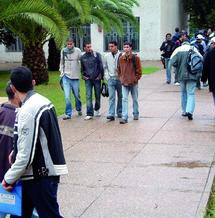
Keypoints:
pixel 186 164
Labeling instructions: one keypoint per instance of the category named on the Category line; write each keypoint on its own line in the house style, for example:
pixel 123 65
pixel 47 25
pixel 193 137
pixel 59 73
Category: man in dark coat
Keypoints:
pixel 209 68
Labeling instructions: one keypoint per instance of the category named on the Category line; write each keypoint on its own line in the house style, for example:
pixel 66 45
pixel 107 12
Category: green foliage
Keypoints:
pixel 210 212
pixel 201 12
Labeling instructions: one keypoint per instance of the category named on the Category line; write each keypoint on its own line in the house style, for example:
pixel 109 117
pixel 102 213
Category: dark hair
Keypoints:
pixel 177 29
pixel 86 43
pixel 113 42
pixel 21 78
pixel 168 34
pixel 9 91
pixel 127 43
pixel 70 40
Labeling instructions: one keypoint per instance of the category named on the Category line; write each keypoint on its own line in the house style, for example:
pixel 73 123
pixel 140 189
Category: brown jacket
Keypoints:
pixel 126 70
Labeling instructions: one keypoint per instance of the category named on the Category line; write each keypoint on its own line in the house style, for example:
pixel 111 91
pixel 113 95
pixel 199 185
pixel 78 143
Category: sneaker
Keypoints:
pixel 184 114
pixel 177 83
pixel 79 113
pixel 110 118
pixel 97 113
pixel 168 82
pixel 136 118
pixel 88 117
pixel 190 116
pixel 122 121
pixel 66 117
pixel 205 84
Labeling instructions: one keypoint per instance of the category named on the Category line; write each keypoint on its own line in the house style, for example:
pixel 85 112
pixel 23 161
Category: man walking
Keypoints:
pixel 129 71
pixel 114 84
pixel 70 74
pixel 167 48
pixel 209 68
pixel 92 72
pixel 39 160
pixel 187 80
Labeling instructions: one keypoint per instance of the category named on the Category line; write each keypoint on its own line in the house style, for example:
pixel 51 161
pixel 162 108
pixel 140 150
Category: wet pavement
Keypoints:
pixel 161 166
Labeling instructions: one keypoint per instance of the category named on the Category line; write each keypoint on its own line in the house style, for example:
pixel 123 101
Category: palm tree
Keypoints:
pixel 34 21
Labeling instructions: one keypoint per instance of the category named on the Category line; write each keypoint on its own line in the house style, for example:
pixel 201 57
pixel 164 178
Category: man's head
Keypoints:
pixel 199 38
pixel 212 42
pixel 21 79
pixel 127 47
pixel 88 47
pixel 177 30
pixel 113 46
pixel 168 36
pixel 70 43
pixel 12 97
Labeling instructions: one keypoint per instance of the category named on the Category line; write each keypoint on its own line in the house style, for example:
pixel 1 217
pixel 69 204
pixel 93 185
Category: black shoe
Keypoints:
pixel 136 118
pixel 168 82
pixel 185 114
pixel 66 117
pixel 119 115
pixel 111 118
pixel 79 113
pixel 122 121
pixel 190 116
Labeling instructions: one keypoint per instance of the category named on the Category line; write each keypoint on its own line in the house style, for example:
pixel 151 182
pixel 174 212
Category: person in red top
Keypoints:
pixel 129 71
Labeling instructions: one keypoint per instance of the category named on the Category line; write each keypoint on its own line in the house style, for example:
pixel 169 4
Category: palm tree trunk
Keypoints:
pixel 34 59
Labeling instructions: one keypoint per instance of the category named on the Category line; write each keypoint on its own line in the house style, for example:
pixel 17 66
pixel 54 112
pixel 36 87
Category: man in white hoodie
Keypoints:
pixel 114 84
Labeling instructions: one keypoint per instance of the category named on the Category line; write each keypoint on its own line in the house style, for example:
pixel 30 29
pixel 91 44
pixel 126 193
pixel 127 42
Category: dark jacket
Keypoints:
pixel 92 66
pixel 128 73
pixel 7 120
pixel 39 145
pixel 209 69
pixel 167 48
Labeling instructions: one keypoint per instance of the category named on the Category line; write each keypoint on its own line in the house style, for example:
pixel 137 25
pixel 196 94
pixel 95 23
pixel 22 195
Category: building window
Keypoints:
pixel 17 46
pixel 80 36
pixel 129 35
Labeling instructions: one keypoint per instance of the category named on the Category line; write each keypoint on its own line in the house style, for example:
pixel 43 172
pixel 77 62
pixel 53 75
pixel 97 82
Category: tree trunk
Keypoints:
pixel 54 56
pixel 34 59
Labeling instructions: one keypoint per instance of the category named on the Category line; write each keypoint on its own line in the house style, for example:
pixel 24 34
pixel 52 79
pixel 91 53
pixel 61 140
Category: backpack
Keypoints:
pixel 194 62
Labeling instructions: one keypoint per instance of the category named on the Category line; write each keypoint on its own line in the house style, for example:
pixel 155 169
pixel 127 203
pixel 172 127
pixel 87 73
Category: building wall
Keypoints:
pixel 157 17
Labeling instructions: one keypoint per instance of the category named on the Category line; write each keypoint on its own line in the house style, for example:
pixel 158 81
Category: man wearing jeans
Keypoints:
pixel 70 73
pixel 129 71
pixel 92 72
pixel 167 48
pixel 114 84
pixel 187 80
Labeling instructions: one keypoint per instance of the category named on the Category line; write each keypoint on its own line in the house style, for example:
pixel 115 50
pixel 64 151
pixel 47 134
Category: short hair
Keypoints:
pixel 168 34
pixel 177 29
pixel 113 42
pixel 86 43
pixel 70 40
pixel 21 79
pixel 9 91
pixel 127 43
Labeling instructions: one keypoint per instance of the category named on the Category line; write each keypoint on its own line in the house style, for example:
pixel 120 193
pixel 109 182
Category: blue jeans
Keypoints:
pixel 90 84
pixel 40 194
pixel 74 85
pixel 114 85
pixel 134 94
pixel 188 96
pixel 168 69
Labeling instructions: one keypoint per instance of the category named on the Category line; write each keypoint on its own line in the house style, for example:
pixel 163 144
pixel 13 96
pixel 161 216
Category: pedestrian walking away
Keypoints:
pixel 39 160
pixel 114 84
pixel 187 79
pixel 92 72
pixel 70 75
pixel 129 71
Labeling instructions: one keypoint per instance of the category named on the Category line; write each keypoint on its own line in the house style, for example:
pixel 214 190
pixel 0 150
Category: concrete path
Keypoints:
pixel 158 167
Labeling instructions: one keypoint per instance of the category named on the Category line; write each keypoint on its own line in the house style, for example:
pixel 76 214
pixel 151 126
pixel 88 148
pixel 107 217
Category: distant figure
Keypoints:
pixel 209 68
pixel 186 79
pixel 167 48
pixel 114 84
pixel 70 75
pixel 130 71
pixel 176 36
pixel 92 72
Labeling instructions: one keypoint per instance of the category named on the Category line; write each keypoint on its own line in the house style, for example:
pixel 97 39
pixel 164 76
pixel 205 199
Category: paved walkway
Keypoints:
pixel 158 167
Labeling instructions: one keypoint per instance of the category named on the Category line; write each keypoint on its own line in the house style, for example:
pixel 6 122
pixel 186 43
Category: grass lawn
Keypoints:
pixel 53 91
pixel 210 212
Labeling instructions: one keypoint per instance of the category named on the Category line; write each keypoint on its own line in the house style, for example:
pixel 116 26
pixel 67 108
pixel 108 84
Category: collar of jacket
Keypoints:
pixel 125 57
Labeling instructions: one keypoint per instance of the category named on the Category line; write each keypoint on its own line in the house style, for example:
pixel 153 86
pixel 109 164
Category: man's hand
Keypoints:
pixel 6 186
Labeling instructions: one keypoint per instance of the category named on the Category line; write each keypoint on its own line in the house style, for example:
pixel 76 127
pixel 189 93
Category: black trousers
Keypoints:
pixel 40 194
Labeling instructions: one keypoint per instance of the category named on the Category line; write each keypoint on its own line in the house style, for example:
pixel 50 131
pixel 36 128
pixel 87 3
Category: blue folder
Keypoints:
pixel 11 202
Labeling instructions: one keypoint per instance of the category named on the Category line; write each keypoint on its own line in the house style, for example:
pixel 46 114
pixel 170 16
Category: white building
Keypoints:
pixel 156 18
